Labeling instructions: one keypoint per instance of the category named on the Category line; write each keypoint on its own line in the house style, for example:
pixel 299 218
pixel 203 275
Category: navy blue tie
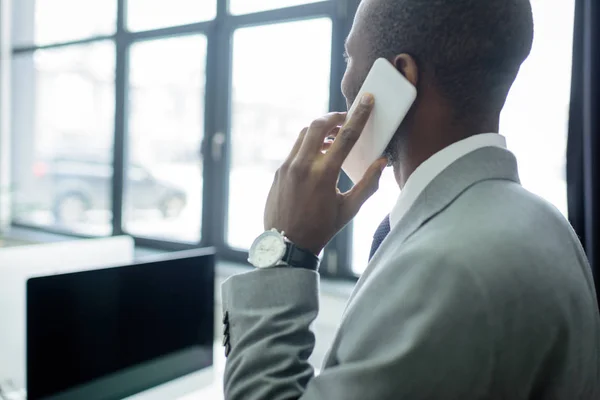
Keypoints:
pixel 380 234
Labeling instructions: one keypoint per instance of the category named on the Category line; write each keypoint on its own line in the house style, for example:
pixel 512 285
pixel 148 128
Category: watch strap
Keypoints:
pixel 299 258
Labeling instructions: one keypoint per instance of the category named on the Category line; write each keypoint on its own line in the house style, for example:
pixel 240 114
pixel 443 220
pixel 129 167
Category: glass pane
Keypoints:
pixel 544 125
pixel 527 128
pixel 38 22
pixel 153 14
pixel 237 7
pixel 370 216
pixel 63 123
pixel 273 99
pixel 163 194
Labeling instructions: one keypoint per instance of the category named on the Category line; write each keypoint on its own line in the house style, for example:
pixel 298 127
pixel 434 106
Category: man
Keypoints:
pixel 476 289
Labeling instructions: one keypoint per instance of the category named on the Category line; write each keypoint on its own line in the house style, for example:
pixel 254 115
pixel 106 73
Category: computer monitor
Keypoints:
pixel 110 333
pixel 18 264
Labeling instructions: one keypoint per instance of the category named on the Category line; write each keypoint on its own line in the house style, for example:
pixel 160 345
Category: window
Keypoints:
pixel 370 216
pixel 153 14
pixel 163 192
pixel 42 22
pixel 211 96
pixel 270 107
pixel 535 117
pixel 146 121
pixel 237 7
pixel 63 104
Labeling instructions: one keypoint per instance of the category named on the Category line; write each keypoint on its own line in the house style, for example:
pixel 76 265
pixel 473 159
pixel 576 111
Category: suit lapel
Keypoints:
pixel 488 163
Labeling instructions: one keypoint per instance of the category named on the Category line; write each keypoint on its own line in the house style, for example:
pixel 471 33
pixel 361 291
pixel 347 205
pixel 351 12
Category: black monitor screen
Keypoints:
pixel 110 333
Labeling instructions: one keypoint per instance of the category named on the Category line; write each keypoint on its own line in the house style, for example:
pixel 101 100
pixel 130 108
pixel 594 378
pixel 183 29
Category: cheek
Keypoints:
pixel 349 86
pixel 355 75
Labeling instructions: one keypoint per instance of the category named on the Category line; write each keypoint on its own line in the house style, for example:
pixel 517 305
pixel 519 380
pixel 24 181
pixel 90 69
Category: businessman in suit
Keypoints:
pixel 476 289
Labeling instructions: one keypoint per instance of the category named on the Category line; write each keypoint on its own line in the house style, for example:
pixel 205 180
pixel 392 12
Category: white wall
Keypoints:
pixel 5 61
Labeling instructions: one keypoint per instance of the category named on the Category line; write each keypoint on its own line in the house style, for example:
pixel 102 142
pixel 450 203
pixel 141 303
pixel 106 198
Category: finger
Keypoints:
pixel 351 131
pixel 364 189
pixel 329 139
pixel 317 132
pixel 297 146
pixel 333 133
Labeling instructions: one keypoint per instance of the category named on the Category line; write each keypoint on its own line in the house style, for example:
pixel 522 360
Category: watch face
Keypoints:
pixel 267 250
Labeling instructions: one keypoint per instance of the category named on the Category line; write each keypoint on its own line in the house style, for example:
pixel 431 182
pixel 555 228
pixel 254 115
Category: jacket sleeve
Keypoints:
pixel 267 315
pixel 423 333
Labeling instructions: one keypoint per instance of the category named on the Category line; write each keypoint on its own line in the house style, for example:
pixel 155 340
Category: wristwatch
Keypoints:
pixel 273 249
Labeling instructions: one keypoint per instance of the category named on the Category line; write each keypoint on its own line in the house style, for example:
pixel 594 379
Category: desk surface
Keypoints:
pixel 206 384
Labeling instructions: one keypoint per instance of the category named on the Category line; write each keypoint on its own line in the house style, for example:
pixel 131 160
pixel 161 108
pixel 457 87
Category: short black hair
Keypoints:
pixel 474 48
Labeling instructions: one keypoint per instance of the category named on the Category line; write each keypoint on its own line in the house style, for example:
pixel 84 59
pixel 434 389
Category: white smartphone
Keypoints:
pixel 394 95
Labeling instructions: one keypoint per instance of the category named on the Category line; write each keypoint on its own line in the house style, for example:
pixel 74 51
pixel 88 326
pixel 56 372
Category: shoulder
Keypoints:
pixel 494 243
pixel 509 241
pixel 502 210
pixel 498 221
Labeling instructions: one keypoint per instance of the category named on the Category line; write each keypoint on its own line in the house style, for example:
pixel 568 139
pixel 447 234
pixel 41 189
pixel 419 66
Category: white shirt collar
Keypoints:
pixel 434 165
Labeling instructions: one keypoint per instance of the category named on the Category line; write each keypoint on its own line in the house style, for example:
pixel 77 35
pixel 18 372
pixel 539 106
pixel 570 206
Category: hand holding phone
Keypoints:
pixel 394 96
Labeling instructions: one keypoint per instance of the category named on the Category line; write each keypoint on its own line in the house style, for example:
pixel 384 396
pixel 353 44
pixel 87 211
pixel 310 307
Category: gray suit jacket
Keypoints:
pixel 482 291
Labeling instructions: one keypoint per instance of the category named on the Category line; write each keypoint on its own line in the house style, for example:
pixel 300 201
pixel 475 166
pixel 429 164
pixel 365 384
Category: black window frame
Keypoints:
pixel 219 32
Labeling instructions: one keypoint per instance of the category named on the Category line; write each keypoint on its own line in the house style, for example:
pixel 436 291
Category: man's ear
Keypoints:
pixel 407 66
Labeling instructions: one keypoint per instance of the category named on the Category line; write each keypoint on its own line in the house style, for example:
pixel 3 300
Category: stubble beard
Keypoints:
pixel 392 151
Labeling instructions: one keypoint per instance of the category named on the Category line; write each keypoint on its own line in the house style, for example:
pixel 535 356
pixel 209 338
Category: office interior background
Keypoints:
pixel 166 121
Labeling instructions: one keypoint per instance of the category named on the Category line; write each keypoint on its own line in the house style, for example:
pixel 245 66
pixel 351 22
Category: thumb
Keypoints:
pixel 364 189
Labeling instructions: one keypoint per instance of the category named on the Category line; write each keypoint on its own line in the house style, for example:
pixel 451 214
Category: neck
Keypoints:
pixel 423 142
